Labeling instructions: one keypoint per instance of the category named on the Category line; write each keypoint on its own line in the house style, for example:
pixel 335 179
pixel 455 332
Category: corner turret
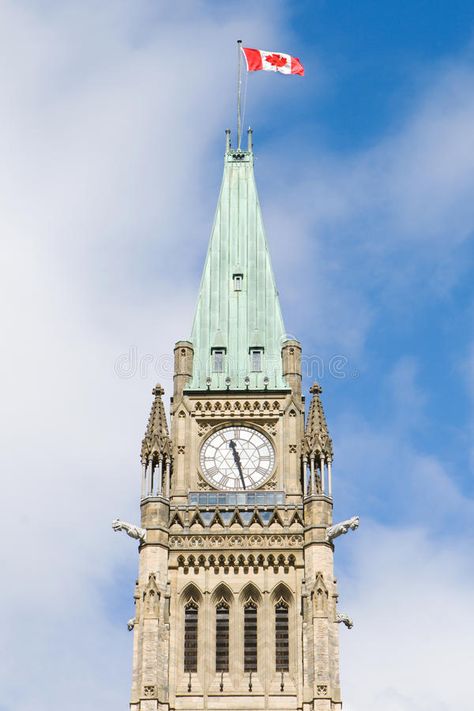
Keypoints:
pixel 317 446
pixel 156 450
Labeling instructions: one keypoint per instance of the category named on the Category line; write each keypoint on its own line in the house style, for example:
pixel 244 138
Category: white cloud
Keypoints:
pixel 407 576
pixel 410 596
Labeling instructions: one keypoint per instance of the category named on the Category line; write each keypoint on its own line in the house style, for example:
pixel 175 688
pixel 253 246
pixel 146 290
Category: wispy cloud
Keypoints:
pixel 407 576
pixel 409 595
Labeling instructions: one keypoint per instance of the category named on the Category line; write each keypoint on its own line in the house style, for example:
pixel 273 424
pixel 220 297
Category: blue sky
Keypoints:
pixel 112 137
pixel 378 57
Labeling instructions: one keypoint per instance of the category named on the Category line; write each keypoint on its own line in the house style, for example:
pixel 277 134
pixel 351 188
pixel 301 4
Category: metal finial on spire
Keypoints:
pixel 227 140
pixel 250 140
pixel 239 92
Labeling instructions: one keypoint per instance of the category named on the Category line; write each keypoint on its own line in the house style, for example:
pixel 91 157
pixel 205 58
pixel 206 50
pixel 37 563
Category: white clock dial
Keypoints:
pixel 237 458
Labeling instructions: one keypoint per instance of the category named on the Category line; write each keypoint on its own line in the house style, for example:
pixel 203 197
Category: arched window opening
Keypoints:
pixel 222 637
pixel 190 637
pixel 250 637
pixel 282 663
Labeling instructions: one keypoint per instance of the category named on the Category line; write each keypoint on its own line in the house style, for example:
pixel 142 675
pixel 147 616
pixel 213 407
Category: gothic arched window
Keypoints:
pixel 222 637
pixel 250 637
pixel 282 662
pixel 190 636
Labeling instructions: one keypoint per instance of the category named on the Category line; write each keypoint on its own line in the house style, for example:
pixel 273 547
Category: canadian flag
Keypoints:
pixel 272 61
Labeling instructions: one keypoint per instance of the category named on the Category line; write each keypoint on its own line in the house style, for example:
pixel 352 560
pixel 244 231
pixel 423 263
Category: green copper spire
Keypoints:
pixel 238 328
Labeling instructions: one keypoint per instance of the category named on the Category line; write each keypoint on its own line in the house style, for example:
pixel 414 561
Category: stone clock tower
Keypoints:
pixel 236 601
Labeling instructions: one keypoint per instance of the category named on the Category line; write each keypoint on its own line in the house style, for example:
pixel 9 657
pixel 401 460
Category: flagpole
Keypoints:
pixel 239 92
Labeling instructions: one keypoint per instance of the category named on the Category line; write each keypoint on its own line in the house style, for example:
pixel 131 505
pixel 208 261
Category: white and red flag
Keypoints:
pixel 272 61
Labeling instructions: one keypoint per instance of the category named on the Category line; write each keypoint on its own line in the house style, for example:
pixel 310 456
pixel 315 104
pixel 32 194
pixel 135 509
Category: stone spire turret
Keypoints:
pixel 156 449
pixel 317 444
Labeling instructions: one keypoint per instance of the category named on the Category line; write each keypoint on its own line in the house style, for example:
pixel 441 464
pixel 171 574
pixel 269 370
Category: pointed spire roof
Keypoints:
pixel 317 439
pixel 156 442
pixel 238 307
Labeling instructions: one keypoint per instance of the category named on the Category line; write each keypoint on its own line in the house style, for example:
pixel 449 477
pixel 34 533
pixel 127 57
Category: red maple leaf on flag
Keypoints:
pixel 276 59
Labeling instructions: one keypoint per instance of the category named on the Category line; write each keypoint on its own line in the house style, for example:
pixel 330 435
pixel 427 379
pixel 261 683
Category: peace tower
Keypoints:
pixel 236 601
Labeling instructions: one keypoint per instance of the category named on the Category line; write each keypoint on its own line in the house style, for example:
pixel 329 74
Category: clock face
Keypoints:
pixel 237 458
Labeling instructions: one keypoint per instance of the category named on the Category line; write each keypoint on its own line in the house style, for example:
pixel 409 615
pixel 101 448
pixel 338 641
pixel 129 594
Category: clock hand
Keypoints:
pixel 236 456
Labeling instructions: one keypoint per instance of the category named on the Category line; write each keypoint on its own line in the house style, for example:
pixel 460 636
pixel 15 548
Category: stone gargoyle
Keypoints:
pixel 130 529
pixel 345 619
pixel 131 624
pixel 341 528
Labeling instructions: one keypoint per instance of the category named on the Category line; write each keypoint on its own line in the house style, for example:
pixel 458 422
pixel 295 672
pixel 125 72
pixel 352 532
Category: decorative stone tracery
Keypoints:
pixel 249 408
pixel 236 541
